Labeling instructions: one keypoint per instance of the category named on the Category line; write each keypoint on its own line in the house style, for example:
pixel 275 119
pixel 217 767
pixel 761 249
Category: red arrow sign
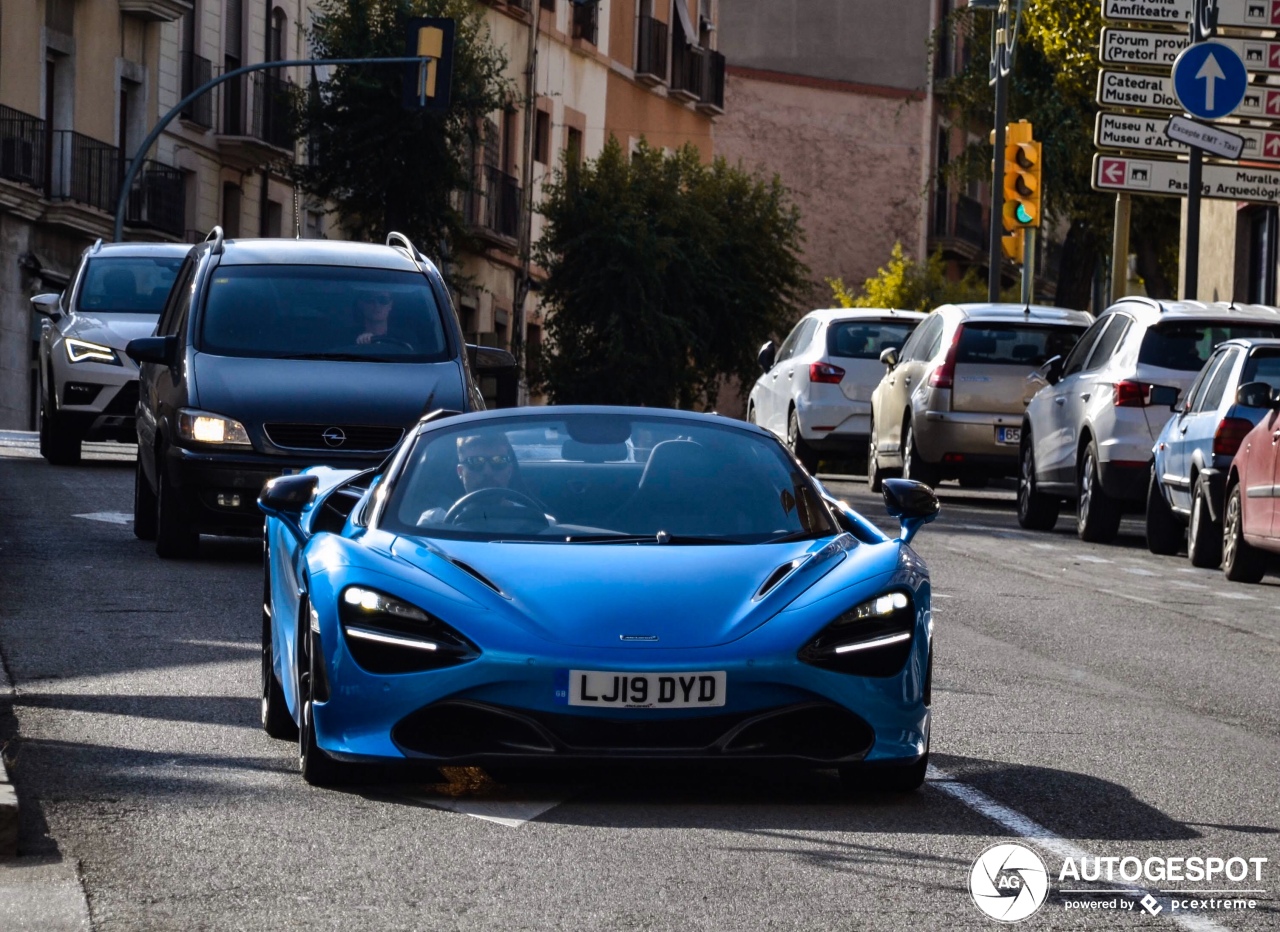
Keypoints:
pixel 1273 102
pixel 1271 145
pixel 1275 12
pixel 1273 55
pixel 1113 171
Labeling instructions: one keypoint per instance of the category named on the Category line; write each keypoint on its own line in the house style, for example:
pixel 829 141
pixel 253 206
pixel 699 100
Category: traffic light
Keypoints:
pixel 427 86
pixel 1022 178
pixel 1011 244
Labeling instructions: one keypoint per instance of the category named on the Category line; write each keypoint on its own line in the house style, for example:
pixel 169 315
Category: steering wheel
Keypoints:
pixel 392 341
pixel 518 507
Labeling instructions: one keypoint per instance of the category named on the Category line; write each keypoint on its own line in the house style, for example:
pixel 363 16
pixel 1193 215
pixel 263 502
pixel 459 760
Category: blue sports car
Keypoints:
pixel 593 584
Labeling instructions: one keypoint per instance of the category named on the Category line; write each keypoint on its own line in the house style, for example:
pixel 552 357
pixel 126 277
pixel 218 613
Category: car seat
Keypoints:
pixel 680 491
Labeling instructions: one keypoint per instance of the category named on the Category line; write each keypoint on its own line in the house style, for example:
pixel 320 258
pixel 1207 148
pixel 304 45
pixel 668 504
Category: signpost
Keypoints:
pixel 1145 48
pixel 1129 132
pixel 1155 92
pixel 1210 139
pixel 1164 178
pixel 1242 14
pixel 1209 80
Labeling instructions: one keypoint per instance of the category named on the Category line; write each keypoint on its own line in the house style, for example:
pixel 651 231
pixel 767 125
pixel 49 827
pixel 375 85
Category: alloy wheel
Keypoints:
pixel 1086 489
pixel 1231 531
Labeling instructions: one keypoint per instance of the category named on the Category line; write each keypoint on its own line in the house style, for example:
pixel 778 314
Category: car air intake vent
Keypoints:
pixel 776 577
pixel 337 437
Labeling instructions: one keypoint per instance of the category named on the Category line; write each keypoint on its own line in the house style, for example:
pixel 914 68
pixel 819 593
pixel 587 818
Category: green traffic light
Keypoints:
pixel 1022 214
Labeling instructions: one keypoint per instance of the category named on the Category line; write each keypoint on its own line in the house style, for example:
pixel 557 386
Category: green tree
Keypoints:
pixel 664 276
pixel 383 167
pixel 1053 84
pixel 912 286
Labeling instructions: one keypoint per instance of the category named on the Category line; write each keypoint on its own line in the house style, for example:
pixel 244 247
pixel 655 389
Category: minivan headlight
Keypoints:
pixel 871 639
pixel 204 427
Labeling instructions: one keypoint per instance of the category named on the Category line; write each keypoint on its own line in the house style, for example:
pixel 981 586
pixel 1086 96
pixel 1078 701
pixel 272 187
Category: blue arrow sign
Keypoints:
pixel 1209 80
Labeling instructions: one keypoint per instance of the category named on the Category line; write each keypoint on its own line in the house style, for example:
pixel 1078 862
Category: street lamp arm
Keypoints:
pixel 136 163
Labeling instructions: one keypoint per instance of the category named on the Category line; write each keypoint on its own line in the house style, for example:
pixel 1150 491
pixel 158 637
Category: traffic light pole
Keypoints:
pixel 1120 249
pixel 135 164
pixel 1191 264
pixel 1028 266
pixel 997 184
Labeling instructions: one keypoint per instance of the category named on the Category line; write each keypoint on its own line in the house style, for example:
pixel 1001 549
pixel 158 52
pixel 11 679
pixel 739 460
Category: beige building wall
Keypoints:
pixel 1218 236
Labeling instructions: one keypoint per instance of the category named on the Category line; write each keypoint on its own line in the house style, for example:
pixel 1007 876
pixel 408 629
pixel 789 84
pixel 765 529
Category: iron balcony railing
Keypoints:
pixel 712 80
pixel 257 105
pixel 651 49
pixel 969 226
pixel 586 21
pixel 501 202
pixel 686 70
pixel 158 199
pixel 195 72
pixel 22 147
pixel 84 170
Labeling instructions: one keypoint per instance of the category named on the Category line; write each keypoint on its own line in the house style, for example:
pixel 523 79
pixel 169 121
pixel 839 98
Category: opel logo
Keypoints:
pixel 334 436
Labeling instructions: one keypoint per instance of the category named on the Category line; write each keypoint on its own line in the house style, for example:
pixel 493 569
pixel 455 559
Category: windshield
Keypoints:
pixel 865 339
pixel 1187 344
pixel 322 312
pixel 599 478
pixel 128 284
pixel 1024 344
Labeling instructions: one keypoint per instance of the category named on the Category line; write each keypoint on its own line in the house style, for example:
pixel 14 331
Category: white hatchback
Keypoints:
pixel 815 393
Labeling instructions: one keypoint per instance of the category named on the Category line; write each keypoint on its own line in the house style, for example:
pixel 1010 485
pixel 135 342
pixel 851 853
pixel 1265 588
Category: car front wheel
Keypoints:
pixel 802 451
pixel 144 505
pixel 58 444
pixel 1241 561
pixel 317 767
pixel 276 720
pixel 174 539
pixel 1097 513
pixel 1165 532
pixel 914 466
pixel 1204 535
pixel 1036 511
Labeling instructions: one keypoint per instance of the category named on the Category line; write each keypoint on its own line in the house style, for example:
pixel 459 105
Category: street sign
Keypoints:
pixel 428 85
pixel 1162 178
pixel 1243 14
pixel 1210 80
pixel 1210 140
pixel 1155 50
pixel 1155 92
pixel 1139 133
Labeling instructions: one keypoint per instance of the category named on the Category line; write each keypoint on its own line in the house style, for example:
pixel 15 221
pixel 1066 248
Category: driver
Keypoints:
pixel 373 312
pixel 485 461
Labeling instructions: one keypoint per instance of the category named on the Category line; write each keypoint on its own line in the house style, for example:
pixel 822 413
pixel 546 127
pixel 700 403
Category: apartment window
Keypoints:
pixel 586 19
pixel 274 219
pixel 277 37
pixel 60 16
pixel 230 210
pixel 542 137
pixel 510 135
pixel 313 224
pixel 533 353
pixel 549 5
pixel 573 146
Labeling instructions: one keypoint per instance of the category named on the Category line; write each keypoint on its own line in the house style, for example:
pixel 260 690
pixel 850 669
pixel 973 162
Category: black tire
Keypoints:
pixel 58 444
pixel 1241 561
pixel 1204 535
pixel 276 720
pixel 175 540
pixel 144 505
pixel 751 414
pixel 1036 510
pixel 316 767
pixel 875 480
pixel 863 778
pixel 914 466
pixel 807 456
pixel 1165 533
pixel 1097 513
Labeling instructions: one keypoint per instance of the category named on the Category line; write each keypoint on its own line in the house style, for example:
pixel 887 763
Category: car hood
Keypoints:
pixel 303 391
pixel 114 330
pixel 673 596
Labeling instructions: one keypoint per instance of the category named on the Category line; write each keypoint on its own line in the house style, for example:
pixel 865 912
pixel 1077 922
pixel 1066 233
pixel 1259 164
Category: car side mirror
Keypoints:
pixel 767 355
pixel 163 351
pixel 1051 369
pixel 48 305
pixel 1166 396
pixel 914 504
pixel 285 497
pixel 1257 395
pixel 489 357
pixel 889 356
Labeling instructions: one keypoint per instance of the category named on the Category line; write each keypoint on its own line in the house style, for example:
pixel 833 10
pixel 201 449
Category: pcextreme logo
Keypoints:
pixel 1009 882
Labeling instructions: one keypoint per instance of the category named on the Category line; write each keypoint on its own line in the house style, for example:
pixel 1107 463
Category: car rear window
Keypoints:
pixel 318 312
pixel 1186 345
pixel 866 339
pixel 128 284
pixel 1263 366
pixel 1021 344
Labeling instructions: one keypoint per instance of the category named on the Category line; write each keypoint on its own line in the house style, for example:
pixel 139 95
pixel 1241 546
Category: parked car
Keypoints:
pixel 1194 451
pixel 815 392
pixel 708 603
pixel 952 400
pixel 88 387
pixel 1250 530
pixel 1088 434
pixel 273 355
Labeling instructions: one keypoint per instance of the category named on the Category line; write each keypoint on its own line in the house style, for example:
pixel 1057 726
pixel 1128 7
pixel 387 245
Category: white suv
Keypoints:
pixel 815 392
pixel 1089 432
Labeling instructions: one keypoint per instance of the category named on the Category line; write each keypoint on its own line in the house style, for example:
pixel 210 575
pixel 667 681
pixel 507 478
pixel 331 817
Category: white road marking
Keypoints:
pixel 1187 585
pixel 1033 831
pixel 1045 546
pixel 1131 598
pixel 942 595
pixel 1090 558
pixel 1138 571
pixel 1236 595
pixel 108 517
pixel 512 813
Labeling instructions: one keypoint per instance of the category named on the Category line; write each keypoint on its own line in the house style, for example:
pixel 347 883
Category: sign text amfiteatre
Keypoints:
pixel 1149 49
pixel 1133 133
pixel 1162 178
pixel 1155 92
pixel 1246 14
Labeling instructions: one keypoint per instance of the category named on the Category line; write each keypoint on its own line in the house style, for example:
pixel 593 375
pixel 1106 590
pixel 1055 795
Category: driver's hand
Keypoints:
pixel 364 338
pixel 432 516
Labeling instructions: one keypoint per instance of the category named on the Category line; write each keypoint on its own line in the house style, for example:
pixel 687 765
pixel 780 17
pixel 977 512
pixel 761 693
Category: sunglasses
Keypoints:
pixel 494 461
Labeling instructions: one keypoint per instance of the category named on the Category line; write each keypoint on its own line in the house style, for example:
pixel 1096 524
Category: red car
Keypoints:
pixel 1251 525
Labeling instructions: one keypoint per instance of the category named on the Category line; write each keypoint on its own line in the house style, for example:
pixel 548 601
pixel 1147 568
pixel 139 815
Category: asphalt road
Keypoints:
pixel 1089 701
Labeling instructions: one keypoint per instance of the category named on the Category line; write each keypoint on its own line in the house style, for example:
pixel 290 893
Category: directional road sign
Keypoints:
pixel 1246 14
pixel 1136 133
pixel 1210 80
pixel 1211 140
pixel 1162 178
pixel 1155 92
pixel 1150 49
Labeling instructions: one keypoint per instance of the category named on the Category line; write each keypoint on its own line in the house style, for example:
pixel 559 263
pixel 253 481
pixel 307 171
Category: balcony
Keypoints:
pixel 712 99
pixel 256 119
pixel 195 72
pixel 158 200
pixel 164 11
pixel 958 226
pixel 687 71
pixel 586 21
pixel 495 207
pixel 969 227
pixel 83 170
pixel 651 51
pixel 22 148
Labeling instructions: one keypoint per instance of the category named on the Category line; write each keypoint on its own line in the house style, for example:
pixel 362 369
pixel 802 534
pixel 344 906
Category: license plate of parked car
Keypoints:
pixel 598 689
pixel 1009 435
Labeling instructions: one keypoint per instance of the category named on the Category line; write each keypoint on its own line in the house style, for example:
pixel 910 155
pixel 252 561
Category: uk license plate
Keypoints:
pixel 1009 435
pixel 607 690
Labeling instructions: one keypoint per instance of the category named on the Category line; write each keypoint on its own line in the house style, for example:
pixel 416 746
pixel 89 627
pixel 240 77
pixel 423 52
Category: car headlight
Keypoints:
pixel 387 635
pixel 84 351
pixel 203 427
pixel 871 639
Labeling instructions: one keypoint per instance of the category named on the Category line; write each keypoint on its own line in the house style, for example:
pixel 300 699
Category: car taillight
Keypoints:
pixel 1229 435
pixel 825 372
pixel 945 375
pixel 1131 394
